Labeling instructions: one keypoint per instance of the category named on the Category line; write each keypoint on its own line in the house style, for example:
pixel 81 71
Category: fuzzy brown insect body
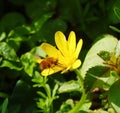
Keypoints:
pixel 48 63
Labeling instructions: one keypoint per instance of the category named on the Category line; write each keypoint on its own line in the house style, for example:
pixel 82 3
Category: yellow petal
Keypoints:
pixel 76 64
pixel 64 70
pixel 50 50
pixel 51 70
pixel 78 48
pixel 72 42
pixel 61 43
pixel 62 59
pixel 47 72
pixel 38 60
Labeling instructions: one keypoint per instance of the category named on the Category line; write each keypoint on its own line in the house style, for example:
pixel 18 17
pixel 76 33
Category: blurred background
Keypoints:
pixel 25 24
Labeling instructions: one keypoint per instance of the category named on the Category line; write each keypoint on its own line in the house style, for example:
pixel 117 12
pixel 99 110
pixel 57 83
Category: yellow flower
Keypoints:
pixel 65 56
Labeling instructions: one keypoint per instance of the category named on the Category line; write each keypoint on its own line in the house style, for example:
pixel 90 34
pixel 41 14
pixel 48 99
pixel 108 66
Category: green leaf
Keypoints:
pixel 7 52
pixel 22 98
pixel 85 108
pixel 11 65
pixel 39 23
pixel 50 27
pixel 20 33
pixel 96 76
pixel 113 12
pixel 70 11
pixel 117 12
pixel 2 36
pixel 105 55
pixel 38 80
pixel 112 79
pixel 41 94
pixel 37 26
pixel 11 20
pixel 106 43
pixel 3 95
pixel 28 62
pixel 69 87
pixel 114 28
pixel 114 96
pixel 54 91
pixel 4 106
pixel 66 106
pixel 35 9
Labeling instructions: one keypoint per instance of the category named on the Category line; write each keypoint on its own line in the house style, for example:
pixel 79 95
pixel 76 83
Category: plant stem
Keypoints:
pixel 81 79
pixel 79 104
pixel 83 97
pixel 50 100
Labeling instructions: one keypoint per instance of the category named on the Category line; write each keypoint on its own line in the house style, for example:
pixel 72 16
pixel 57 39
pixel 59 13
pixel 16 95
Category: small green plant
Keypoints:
pixel 59 56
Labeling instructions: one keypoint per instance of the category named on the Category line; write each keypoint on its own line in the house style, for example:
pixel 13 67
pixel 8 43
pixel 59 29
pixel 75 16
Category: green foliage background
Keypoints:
pixel 25 24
